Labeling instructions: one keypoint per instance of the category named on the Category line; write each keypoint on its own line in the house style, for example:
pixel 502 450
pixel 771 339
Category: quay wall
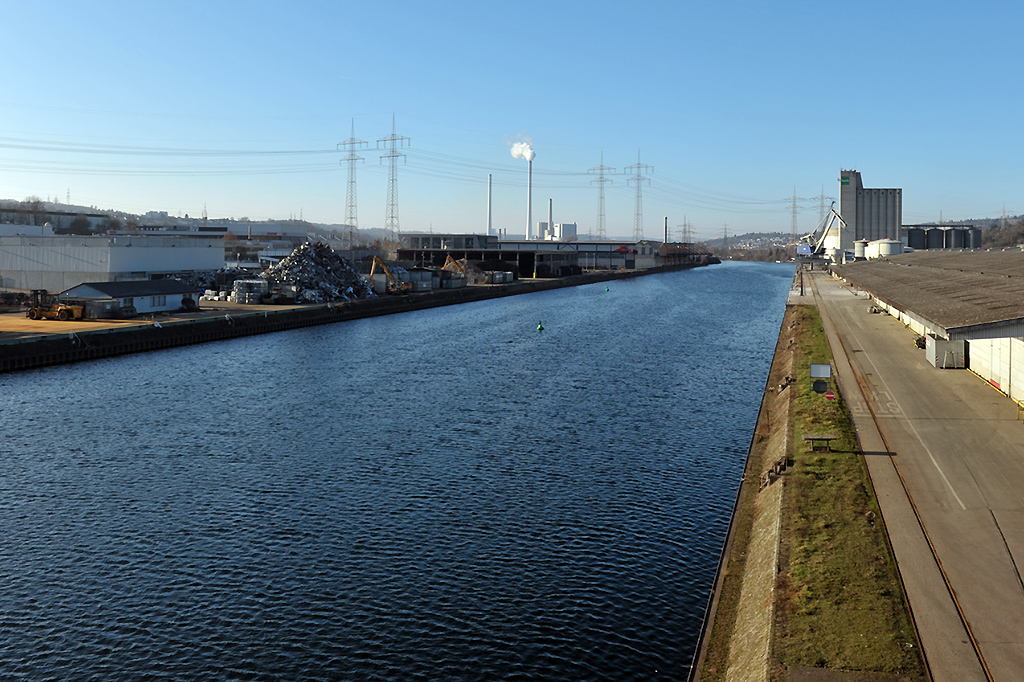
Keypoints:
pixel 74 346
pixel 741 525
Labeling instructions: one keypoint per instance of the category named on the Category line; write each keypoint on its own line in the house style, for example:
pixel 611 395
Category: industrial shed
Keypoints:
pixel 972 296
pixel 146 296
pixel 56 263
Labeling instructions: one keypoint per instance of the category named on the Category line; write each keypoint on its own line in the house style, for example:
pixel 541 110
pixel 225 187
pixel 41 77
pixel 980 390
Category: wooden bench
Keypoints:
pixel 820 441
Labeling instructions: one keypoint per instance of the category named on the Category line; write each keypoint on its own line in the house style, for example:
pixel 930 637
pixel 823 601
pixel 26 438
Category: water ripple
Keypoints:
pixel 437 495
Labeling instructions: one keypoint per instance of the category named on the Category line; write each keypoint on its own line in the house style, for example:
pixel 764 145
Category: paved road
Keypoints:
pixel 957 449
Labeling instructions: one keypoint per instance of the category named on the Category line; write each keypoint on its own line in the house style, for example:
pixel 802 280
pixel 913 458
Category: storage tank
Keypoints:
pixel 858 249
pixel 889 247
pixel 954 238
pixel 974 238
pixel 936 238
pixel 916 238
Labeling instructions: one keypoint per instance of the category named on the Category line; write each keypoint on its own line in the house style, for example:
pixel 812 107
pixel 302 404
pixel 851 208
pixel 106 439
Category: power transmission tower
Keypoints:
pixel 684 230
pixel 393 141
pixel 684 235
pixel 794 199
pixel 602 233
pixel 351 144
pixel 821 203
pixel 638 209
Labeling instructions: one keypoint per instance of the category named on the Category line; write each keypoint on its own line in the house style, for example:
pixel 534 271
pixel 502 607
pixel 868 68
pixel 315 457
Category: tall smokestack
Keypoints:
pixel 488 204
pixel 529 196
pixel 551 225
pixel 524 150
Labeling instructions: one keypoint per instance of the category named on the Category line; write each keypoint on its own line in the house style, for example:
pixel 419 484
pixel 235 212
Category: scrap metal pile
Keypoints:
pixel 319 275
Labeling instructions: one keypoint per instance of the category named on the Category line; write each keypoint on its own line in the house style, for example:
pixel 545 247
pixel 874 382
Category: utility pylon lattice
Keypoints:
pixel 794 199
pixel 684 234
pixel 393 142
pixel 602 232
pixel 638 209
pixel 351 144
pixel 821 204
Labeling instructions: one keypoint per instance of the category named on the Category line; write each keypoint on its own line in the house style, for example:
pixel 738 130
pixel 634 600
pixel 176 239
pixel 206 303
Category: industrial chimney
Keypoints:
pixel 524 150
pixel 551 225
pixel 529 196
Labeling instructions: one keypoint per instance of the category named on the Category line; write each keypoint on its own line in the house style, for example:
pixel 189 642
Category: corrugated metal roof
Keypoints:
pixel 950 289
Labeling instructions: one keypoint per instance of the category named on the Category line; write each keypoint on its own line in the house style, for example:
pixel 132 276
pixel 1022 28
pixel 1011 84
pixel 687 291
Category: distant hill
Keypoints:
pixel 754 240
pixel 998 237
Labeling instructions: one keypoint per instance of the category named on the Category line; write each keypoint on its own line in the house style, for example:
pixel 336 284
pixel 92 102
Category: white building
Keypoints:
pixel 14 230
pixel 163 295
pixel 561 232
pixel 59 263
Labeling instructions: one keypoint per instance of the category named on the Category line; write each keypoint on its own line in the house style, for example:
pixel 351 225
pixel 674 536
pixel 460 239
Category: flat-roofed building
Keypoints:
pixel 59 263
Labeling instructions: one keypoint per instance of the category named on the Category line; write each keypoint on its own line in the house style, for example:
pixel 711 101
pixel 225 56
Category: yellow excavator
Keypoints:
pixel 45 306
pixel 455 266
pixel 394 285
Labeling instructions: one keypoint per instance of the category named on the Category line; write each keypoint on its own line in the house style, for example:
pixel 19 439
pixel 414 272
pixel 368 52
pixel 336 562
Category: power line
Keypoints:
pixel 821 204
pixel 794 199
pixel 124 150
pixel 602 233
pixel 638 208
pixel 394 141
pixel 351 144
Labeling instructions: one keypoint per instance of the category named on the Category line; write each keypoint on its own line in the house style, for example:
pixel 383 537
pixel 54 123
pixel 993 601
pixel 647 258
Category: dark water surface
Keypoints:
pixel 440 495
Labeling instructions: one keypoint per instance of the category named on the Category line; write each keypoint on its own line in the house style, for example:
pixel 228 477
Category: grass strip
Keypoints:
pixel 839 600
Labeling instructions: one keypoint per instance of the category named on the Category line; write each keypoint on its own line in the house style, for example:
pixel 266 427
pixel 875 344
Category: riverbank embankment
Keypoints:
pixel 26 344
pixel 807 587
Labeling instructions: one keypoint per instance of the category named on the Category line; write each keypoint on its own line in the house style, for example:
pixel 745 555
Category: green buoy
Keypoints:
pixel 540 326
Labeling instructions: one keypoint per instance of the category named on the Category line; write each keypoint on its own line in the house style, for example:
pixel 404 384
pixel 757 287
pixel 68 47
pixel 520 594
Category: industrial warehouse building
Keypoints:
pixel 59 263
pixel 541 258
pixel 968 304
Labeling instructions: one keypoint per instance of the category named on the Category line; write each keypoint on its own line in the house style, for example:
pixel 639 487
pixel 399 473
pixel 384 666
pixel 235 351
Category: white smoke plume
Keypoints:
pixel 523 150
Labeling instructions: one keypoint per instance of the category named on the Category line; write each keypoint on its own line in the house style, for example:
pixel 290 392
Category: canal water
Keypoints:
pixel 448 494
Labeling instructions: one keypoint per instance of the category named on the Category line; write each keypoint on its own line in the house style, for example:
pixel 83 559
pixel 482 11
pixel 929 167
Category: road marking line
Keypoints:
pixel 881 379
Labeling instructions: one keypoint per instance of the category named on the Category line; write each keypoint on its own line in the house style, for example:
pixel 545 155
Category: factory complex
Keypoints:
pixel 868 224
pixel 421 262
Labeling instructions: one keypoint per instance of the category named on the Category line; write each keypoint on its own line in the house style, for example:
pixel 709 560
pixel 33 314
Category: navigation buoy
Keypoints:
pixel 607 289
pixel 540 326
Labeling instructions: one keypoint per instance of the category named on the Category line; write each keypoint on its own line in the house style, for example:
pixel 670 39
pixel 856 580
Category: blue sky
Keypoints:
pixel 239 106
